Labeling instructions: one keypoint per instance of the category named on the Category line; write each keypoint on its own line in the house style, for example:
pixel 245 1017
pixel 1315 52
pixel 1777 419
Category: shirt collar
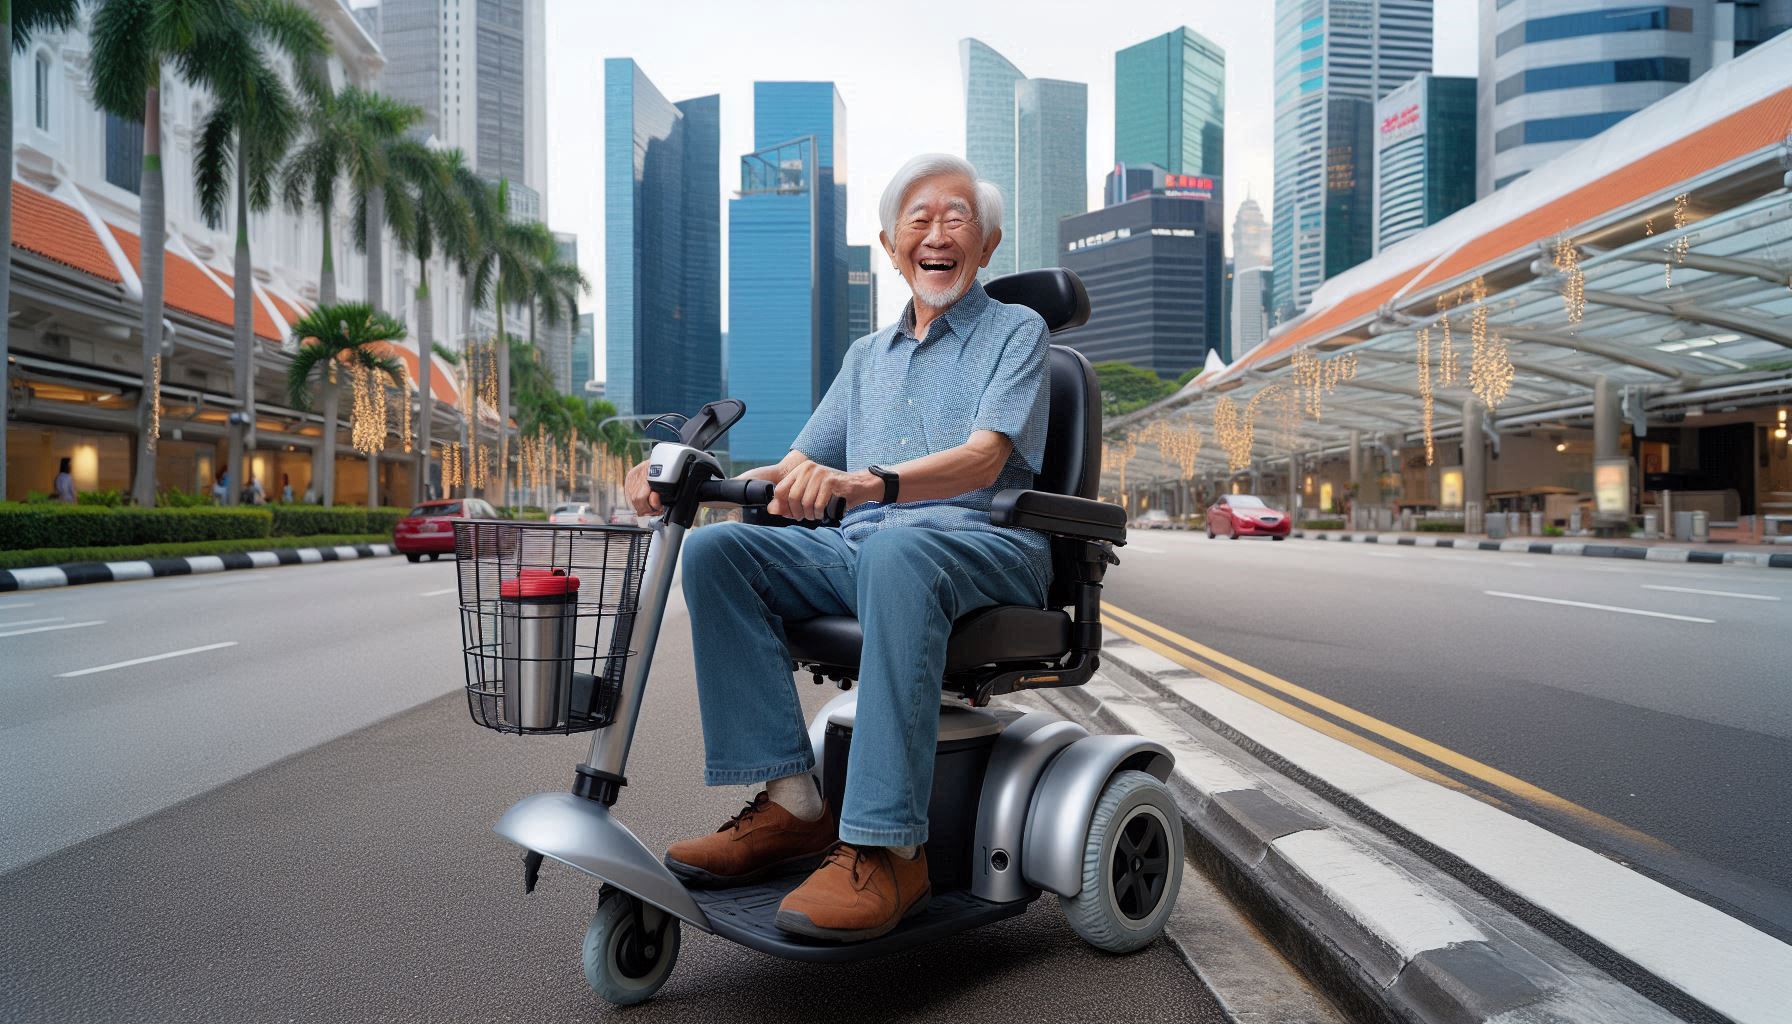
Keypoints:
pixel 958 317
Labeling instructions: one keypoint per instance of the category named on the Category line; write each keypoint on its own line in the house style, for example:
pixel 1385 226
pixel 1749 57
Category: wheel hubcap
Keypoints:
pixel 1141 866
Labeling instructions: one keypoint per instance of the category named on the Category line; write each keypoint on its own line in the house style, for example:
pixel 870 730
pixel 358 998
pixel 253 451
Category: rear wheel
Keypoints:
pixel 1132 865
pixel 412 558
pixel 629 949
pixel 1279 536
pixel 1209 531
pixel 433 555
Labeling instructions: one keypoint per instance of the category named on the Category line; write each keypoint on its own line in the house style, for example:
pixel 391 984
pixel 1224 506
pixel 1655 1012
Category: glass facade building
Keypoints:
pixel 788 293
pixel 1424 155
pixel 662 246
pixel 1051 177
pixel 1170 104
pixel 1154 266
pixel 584 344
pixel 861 292
pixel 1334 59
pixel 989 81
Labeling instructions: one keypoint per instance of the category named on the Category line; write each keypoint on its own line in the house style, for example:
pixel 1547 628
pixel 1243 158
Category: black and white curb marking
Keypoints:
pixel 72 574
pixel 1412 938
pixel 1764 559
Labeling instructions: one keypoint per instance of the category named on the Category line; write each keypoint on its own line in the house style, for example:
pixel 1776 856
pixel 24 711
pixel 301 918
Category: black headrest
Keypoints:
pixel 1054 293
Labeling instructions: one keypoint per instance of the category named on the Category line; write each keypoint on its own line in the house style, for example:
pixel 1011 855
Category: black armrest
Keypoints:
pixel 1063 515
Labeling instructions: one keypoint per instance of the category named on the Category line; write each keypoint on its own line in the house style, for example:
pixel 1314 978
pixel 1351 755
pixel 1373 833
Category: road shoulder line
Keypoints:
pixel 1759 559
pixel 77 573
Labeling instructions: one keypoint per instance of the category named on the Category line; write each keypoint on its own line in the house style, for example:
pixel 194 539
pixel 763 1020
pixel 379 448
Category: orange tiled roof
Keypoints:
pixel 292 313
pixel 58 232
pixel 439 384
pixel 263 323
pixel 1752 128
pixel 186 288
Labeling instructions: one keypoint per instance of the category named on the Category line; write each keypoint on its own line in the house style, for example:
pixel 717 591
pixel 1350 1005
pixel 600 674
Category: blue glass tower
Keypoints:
pixel 662 248
pixel 788 328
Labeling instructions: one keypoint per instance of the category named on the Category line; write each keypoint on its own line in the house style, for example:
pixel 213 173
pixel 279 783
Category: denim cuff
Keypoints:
pixel 748 776
pixel 912 836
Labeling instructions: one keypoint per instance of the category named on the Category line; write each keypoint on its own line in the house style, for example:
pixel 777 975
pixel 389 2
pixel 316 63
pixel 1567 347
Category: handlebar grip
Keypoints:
pixel 835 511
pixel 737 492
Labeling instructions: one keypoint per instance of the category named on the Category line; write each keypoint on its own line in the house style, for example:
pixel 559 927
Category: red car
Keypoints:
pixel 429 529
pixel 1245 515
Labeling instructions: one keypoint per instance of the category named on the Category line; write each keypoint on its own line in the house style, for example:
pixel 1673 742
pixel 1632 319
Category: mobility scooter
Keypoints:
pixel 560 624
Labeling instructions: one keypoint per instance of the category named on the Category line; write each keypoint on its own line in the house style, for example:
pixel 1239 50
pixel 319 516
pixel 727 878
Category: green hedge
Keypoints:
pixel 24 526
pixel 60 556
pixel 303 520
pixel 1438 526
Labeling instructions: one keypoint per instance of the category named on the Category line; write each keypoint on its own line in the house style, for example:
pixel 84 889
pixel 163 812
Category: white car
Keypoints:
pixel 575 513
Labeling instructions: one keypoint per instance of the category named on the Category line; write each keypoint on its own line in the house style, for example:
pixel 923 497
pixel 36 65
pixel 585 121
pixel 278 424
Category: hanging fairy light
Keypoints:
pixel 1446 356
pixel 376 385
pixel 404 394
pixel 1678 247
pixel 1574 294
pixel 155 401
pixel 1314 379
pixel 1233 433
pixel 1118 455
pixel 1490 377
pixel 361 426
pixel 1426 406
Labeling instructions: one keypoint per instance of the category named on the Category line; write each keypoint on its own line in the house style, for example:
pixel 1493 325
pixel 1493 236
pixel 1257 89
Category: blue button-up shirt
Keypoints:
pixel 982 366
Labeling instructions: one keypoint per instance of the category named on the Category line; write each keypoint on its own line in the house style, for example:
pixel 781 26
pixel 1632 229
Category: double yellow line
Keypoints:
pixel 1301 704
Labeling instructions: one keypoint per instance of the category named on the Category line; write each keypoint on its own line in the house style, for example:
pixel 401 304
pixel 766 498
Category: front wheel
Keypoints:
pixel 1209 531
pixel 629 949
pixel 1132 865
pixel 1279 536
pixel 412 558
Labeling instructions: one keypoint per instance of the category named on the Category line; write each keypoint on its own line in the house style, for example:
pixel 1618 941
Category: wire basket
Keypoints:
pixel 546 612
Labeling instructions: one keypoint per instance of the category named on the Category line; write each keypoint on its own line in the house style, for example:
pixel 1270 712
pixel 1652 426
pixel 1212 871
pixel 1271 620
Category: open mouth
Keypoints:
pixel 933 266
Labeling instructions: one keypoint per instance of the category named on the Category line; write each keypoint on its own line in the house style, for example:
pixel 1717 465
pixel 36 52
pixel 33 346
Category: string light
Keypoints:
pixel 1491 375
pixel 1677 248
pixel 404 392
pixel 1423 352
pixel 1118 455
pixel 1446 362
pixel 155 401
pixel 1178 445
pixel 1574 294
pixel 1314 379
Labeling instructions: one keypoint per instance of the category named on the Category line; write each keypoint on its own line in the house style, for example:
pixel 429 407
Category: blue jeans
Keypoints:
pixel 906 585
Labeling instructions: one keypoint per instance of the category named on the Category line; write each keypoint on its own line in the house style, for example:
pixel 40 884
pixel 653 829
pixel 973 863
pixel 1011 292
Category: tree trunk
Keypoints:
pixel 376 217
pixel 470 414
pixel 154 230
pixel 373 479
pixel 242 437
pixel 503 344
pixel 425 353
pixel 326 491
pixel 6 240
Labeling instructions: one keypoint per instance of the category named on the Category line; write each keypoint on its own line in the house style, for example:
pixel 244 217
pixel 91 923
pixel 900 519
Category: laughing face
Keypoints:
pixel 939 244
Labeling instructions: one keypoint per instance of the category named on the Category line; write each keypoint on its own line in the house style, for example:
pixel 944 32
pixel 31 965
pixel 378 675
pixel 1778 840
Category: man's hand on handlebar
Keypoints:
pixel 641 497
pixel 807 488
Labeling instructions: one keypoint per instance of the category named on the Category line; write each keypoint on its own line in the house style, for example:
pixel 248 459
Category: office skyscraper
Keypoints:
pixel 584 352
pixel 1250 235
pixel 1030 138
pixel 1334 60
pixel 556 339
pixel 1250 310
pixel 662 246
pixel 787 258
pixel 1424 155
pixel 1051 177
pixel 861 292
pixel 1170 104
pixel 1154 268
pixel 1555 73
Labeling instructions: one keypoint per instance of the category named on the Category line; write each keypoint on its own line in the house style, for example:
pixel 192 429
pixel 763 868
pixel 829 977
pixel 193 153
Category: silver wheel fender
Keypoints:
pixel 581 833
pixel 1064 804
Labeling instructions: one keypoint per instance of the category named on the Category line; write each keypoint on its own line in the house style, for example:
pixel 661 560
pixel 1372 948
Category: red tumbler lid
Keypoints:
pixel 539 583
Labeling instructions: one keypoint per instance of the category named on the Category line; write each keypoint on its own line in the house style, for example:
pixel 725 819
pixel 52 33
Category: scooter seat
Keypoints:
pixel 988 636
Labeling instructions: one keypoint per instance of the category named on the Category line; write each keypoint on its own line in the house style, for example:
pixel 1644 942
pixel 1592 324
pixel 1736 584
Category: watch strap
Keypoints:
pixel 892 483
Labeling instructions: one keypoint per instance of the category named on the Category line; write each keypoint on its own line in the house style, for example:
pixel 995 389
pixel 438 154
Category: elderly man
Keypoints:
pixel 927 420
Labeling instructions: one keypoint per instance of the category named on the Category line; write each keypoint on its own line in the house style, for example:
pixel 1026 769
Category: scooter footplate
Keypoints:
pixel 748 915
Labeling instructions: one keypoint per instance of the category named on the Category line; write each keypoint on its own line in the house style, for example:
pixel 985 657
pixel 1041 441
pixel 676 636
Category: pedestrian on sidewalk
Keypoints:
pixel 65 483
pixel 286 488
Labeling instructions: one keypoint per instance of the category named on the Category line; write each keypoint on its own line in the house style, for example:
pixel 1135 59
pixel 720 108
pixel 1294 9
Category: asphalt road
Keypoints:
pixel 297 828
pixel 1676 723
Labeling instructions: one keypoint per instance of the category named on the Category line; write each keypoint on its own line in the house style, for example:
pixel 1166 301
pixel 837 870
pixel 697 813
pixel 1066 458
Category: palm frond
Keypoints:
pixel 310 356
pixel 121 61
pixel 215 164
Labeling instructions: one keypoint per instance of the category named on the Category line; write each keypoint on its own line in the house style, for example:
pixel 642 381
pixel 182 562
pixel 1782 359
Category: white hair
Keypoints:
pixel 989 197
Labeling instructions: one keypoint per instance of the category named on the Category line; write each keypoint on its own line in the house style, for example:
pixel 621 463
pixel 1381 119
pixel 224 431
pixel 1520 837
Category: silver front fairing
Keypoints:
pixel 581 833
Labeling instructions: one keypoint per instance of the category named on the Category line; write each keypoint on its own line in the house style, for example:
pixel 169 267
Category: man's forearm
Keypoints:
pixel 968 467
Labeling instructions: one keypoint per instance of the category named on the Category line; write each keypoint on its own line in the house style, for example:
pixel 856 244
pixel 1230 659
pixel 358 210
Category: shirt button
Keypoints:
pixel 911 401
pixel 905 440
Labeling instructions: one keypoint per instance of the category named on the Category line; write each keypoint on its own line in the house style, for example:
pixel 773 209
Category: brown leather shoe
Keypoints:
pixel 857 893
pixel 762 840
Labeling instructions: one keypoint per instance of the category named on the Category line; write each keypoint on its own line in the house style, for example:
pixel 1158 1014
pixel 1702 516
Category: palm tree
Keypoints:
pixel 475 273
pixel 245 137
pixel 501 269
pixel 554 289
pixel 341 334
pixel 19 19
pixel 431 186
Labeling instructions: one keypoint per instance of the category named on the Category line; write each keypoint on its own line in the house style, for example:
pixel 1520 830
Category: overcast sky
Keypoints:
pixel 898 74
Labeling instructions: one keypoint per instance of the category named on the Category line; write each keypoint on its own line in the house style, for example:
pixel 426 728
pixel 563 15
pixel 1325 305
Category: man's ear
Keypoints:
pixel 883 239
pixel 989 246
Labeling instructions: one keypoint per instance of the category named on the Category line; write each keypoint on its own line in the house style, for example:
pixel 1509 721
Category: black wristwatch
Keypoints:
pixel 892 482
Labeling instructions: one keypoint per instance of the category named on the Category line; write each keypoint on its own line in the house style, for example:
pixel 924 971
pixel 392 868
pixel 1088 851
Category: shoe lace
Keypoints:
pixel 759 803
pixel 847 856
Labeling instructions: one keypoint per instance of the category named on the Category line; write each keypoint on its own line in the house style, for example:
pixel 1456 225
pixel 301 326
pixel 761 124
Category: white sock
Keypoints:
pixel 905 852
pixel 798 795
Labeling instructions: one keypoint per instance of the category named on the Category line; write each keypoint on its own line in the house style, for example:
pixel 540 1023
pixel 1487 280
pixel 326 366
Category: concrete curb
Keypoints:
pixel 71 574
pixel 1762 559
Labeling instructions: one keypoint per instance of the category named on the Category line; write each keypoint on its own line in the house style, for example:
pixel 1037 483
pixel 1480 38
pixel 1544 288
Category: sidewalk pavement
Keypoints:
pixel 1409 900
pixel 1760 555
pixel 75 573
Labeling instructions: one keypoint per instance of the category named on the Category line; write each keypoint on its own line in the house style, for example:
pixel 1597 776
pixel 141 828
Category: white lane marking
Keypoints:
pixel 1711 593
pixel 1521 562
pixel 142 661
pixel 49 629
pixel 437 593
pixel 9 606
pixel 30 622
pixel 1382 554
pixel 1597 607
